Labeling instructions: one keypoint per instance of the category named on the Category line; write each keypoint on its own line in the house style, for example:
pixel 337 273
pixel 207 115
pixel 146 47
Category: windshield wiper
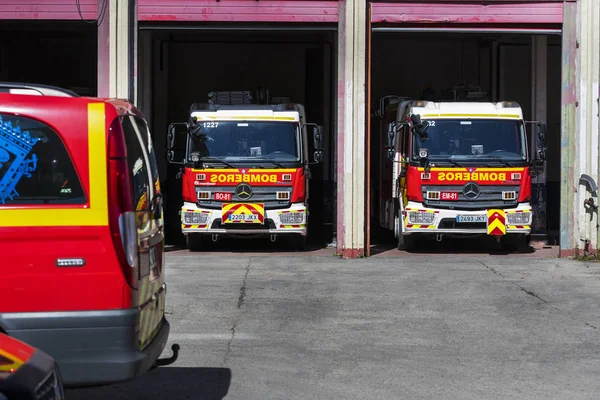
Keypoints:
pixel 269 160
pixel 500 160
pixel 449 160
pixel 214 159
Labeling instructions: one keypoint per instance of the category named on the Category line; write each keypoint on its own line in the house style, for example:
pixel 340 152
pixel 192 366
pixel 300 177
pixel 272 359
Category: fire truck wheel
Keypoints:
pixel 297 242
pixel 406 242
pixel 194 241
pixel 513 242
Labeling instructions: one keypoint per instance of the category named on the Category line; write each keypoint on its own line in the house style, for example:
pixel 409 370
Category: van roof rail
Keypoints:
pixel 39 89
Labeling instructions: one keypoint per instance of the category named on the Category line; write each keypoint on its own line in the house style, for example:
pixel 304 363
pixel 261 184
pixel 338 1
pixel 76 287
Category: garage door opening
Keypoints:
pixel 180 65
pixel 59 53
pixel 423 64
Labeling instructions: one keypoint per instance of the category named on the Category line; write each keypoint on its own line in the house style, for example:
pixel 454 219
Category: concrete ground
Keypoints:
pixel 421 326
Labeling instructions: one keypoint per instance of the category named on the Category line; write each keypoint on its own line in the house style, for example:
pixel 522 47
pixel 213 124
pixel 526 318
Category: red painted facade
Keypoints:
pixel 48 9
pixel 468 13
pixel 237 11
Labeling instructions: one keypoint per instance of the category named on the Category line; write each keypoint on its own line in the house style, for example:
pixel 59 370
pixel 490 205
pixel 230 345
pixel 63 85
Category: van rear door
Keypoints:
pixel 54 234
pixel 151 291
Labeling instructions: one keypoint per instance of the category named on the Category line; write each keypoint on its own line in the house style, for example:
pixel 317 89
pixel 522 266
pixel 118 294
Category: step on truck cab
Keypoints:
pixel 459 169
pixel 244 168
pixel 81 233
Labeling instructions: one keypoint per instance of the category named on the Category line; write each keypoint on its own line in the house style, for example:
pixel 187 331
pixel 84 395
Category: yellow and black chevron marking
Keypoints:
pixel 152 310
pixel 292 226
pixel 496 222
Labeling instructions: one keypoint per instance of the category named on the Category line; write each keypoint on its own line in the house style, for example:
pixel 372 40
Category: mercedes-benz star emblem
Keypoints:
pixel 243 191
pixel 471 190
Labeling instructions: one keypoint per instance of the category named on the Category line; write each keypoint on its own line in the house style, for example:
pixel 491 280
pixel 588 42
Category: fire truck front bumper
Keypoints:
pixel 417 219
pixel 288 221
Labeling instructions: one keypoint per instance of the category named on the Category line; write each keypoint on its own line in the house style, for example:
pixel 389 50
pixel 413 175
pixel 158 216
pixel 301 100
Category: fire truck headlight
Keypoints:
pixel 519 218
pixel 422 218
pixel 292 218
pixel 191 217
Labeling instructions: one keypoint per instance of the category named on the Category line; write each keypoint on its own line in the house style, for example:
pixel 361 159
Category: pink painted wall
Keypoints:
pixel 468 13
pixel 238 11
pixel 48 9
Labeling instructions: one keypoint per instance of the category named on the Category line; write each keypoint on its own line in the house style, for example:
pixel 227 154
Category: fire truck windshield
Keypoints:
pixel 469 139
pixel 247 140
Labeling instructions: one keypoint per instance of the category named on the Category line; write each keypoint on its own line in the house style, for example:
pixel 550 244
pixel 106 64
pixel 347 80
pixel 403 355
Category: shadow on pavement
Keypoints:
pixel 250 245
pixel 464 246
pixel 164 383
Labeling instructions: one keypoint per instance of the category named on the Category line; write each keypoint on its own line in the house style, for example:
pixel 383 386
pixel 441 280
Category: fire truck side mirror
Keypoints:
pixel 176 139
pixel 541 142
pixel 317 137
pixel 541 133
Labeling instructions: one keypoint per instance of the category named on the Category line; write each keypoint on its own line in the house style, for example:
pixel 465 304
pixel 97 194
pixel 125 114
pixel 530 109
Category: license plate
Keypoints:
pixel 222 196
pixel 471 218
pixel 239 213
pixel 242 217
pixel 452 196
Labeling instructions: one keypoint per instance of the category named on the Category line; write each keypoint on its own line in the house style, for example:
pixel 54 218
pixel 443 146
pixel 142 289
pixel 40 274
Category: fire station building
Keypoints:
pixel 339 59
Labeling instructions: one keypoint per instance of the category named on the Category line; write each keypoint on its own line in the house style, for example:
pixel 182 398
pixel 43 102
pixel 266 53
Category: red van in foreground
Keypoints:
pixel 81 233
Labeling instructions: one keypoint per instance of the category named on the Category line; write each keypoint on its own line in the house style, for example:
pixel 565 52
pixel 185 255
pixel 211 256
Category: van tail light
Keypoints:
pixel 122 217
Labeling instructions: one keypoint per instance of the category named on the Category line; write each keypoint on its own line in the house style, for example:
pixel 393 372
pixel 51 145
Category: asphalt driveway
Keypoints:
pixel 412 327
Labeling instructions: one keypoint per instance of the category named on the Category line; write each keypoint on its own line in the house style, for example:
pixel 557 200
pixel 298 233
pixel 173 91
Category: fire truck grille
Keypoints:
pixel 489 197
pixel 268 195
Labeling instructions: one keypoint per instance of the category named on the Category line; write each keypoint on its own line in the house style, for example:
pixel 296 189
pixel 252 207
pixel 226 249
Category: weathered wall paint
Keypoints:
pixel 117 51
pixel 587 121
pixel 468 13
pixel 48 9
pixel 568 212
pixel 238 11
pixel 351 129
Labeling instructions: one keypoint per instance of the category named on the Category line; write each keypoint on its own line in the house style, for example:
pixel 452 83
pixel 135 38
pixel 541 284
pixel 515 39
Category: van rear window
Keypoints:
pixel 35 167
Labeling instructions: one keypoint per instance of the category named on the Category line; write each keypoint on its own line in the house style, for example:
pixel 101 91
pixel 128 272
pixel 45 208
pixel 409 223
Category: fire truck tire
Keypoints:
pixel 297 243
pixel 406 242
pixel 513 242
pixel 194 242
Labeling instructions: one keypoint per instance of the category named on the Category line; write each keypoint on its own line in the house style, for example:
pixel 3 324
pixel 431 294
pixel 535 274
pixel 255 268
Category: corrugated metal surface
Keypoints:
pixel 469 13
pixel 48 9
pixel 238 10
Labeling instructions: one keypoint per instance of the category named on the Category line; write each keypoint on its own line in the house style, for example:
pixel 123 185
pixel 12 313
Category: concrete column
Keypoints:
pixel 579 124
pixel 539 106
pixel 588 118
pixel 351 128
pixel 117 49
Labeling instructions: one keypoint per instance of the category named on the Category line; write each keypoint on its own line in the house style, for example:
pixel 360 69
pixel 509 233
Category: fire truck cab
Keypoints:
pixel 458 168
pixel 245 169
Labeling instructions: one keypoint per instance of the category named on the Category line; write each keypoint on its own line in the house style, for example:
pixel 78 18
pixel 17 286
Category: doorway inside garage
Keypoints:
pixel 179 65
pixel 59 53
pixel 428 64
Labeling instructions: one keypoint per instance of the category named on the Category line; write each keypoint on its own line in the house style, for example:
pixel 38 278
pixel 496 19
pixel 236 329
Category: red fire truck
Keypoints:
pixel 458 168
pixel 244 169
